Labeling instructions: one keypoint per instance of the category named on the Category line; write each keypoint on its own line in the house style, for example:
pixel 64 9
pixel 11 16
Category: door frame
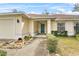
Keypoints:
pixel 42 29
pixel 40 26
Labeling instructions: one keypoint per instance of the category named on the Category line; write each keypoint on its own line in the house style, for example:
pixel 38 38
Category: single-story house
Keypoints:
pixel 15 25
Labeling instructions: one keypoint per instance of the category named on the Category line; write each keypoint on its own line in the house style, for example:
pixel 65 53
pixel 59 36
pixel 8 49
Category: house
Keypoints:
pixel 15 25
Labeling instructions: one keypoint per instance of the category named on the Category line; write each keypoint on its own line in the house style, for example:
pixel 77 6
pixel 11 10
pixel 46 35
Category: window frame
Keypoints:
pixel 60 27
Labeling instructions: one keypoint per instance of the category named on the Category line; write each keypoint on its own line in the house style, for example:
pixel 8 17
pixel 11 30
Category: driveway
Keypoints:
pixel 27 50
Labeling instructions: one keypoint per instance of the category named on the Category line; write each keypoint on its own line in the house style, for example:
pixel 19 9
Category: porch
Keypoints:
pixel 39 28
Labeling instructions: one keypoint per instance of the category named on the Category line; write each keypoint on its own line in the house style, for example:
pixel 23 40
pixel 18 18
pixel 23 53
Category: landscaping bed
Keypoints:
pixel 15 44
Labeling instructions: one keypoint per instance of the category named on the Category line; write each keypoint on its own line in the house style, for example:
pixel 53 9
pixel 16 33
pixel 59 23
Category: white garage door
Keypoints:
pixel 6 28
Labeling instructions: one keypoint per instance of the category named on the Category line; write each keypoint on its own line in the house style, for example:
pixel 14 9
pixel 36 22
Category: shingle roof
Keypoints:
pixel 58 16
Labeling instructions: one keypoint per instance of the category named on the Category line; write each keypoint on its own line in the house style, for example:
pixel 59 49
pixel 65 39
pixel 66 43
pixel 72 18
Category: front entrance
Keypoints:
pixel 42 28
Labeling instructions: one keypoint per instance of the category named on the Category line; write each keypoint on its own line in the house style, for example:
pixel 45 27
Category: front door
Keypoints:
pixel 42 28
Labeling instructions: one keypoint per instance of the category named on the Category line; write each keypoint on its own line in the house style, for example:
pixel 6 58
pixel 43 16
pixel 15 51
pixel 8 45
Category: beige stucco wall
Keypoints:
pixel 69 27
pixel 53 25
pixel 36 27
pixel 25 26
pixel 18 26
pixel 31 27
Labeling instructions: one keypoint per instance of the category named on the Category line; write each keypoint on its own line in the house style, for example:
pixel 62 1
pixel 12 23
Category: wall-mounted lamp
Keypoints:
pixel 18 21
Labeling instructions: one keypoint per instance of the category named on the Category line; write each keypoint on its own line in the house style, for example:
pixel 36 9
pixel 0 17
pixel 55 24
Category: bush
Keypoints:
pixel 52 42
pixel 77 36
pixel 27 37
pixel 3 53
pixel 57 33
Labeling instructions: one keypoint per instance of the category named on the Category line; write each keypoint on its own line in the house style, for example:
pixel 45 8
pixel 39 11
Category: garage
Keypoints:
pixel 6 29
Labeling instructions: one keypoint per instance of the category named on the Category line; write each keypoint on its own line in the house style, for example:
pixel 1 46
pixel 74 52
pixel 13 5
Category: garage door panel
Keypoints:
pixel 6 28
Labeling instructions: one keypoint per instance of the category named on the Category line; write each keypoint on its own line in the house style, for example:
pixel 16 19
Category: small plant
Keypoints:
pixel 51 43
pixel 77 36
pixel 3 53
pixel 27 37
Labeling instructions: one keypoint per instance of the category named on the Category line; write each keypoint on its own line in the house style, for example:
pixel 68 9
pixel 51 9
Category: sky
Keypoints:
pixel 37 8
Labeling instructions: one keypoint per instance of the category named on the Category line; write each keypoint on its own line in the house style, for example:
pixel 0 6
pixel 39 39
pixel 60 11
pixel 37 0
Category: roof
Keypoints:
pixel 53 16
pixel 58 16
pixel 10 13
pixel 13 14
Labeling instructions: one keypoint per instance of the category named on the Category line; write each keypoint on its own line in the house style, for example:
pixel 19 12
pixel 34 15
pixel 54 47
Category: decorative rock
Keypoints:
pixel 57 55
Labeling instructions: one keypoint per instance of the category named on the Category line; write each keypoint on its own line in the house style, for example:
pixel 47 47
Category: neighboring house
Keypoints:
pixel 15 25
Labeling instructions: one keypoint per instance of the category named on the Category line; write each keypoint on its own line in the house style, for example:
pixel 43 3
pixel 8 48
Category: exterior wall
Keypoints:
pixel 53 25
pixel 17 30
pixel 18 27
pixel 69 26
pixel 36 27
pixel 31 27
pixel 25 26
pixel 11 29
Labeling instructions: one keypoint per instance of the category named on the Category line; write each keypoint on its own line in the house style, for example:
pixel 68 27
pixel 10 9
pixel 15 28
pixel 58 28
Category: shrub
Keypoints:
pixel 27 37
pixel 51 43
pixel 77 36
pixel 3 53
pixel 57 33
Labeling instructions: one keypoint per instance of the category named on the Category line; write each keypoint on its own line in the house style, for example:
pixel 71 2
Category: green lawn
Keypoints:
pixel 68 46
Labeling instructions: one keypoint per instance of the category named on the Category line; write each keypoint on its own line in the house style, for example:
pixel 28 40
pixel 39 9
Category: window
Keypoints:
pixel 77 28
pixel 61 27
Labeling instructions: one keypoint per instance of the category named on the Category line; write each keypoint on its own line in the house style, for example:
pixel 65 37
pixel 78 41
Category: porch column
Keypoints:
pixel 32 27
pixel 48 26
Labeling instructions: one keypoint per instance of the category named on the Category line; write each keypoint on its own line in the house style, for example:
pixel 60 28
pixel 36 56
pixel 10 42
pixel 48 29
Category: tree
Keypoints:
pixel 76 8
pixel 45 12
pixel 16 11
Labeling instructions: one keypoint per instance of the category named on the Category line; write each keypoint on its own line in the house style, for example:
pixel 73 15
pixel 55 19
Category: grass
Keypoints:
pixel 3 53
pixel 68 46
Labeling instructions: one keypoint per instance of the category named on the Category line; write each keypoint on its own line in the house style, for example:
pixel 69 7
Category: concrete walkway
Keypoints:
pixel 27 50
